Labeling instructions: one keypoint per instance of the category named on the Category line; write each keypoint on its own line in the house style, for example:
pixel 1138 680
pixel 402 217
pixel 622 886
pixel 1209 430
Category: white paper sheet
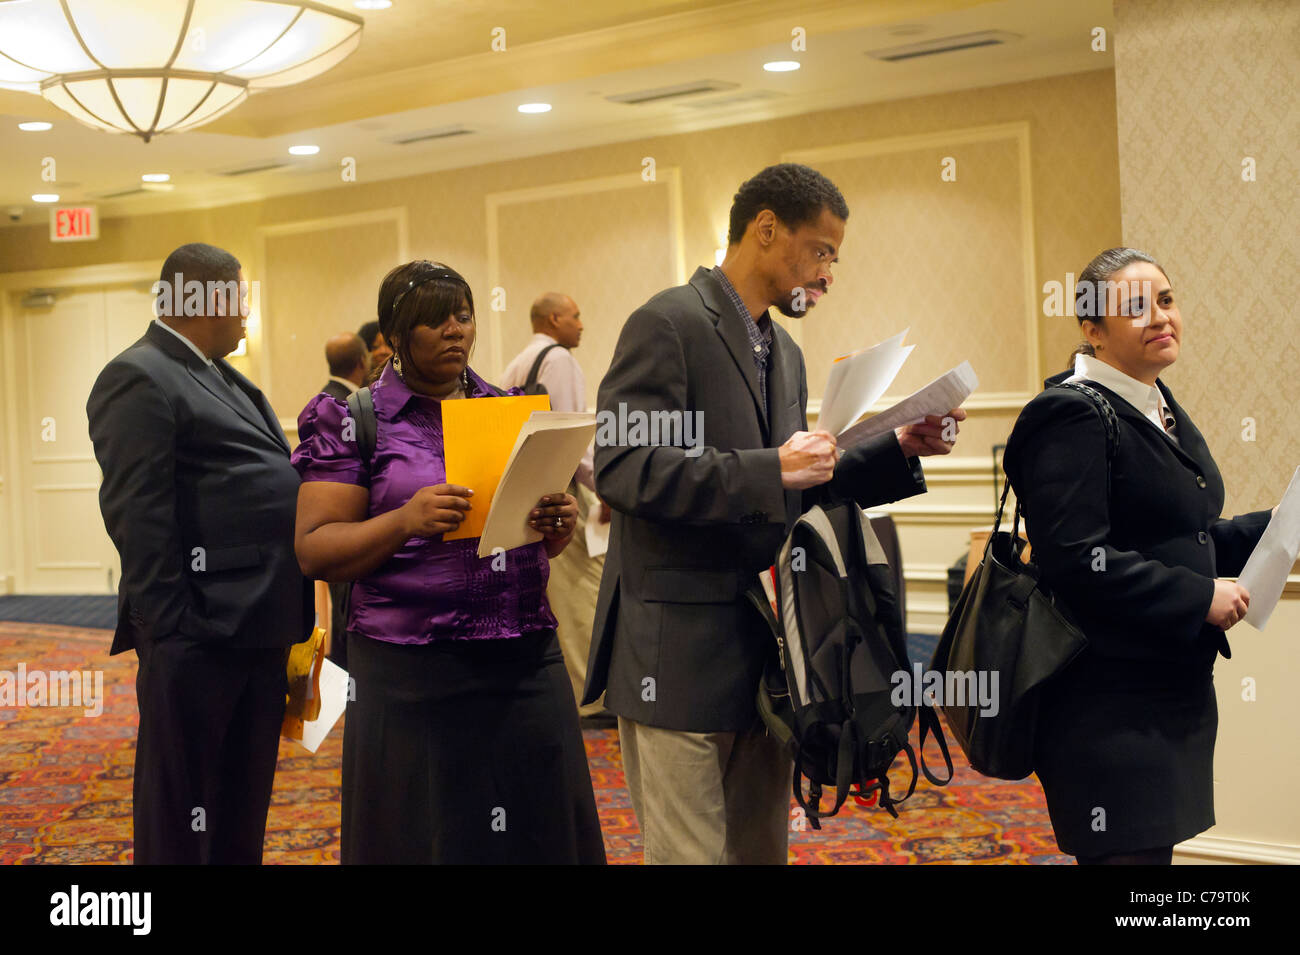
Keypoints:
pixel 333 700
pixel 1271 561
pixel 547 452
pixel 857 381
pixel 597 533
pixel 940 396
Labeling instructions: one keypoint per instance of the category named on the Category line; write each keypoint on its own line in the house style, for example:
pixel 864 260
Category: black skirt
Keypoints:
pixel 465 751
pixel 1125 752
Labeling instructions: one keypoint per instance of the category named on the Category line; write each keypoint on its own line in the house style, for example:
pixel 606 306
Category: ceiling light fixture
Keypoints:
pixel 535 108
pixel 35 127
pixel 304 150
pixel 155 177
pixel 781 66
pixel 146 67
pixel 45 197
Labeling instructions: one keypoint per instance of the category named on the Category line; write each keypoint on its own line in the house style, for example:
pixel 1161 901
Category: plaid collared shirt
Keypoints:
pixel 760 337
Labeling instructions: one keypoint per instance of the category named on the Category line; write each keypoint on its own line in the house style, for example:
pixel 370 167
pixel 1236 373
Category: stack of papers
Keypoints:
pixel 857 381
pixel 547 452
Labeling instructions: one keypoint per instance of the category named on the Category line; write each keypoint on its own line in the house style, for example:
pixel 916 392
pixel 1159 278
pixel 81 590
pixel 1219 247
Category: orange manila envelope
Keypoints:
pixel 478 435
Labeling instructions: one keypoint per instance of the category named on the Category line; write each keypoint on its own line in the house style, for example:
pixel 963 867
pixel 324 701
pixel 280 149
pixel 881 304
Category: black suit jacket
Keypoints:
pixel 336 390
pixel 675 642
pixel 1136 569
pixel 199 498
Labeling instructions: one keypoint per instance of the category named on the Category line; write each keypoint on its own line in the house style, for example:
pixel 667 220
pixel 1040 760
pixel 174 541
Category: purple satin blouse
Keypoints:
pixel 430 589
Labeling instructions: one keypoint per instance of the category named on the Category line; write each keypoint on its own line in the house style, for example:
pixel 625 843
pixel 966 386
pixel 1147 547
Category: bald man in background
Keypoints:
pixel 349 364
pixel 575 574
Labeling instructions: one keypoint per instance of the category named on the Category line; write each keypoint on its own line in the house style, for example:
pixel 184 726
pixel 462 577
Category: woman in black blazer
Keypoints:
pixel 1126 733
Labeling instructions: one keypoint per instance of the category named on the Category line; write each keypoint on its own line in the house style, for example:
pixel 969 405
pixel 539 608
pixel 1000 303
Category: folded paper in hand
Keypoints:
pixel 1271 561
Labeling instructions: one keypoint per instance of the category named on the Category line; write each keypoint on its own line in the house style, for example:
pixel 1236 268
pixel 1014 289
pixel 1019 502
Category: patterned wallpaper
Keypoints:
pixel 1201 87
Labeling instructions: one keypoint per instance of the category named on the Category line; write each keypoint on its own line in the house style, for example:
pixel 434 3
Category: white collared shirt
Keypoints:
pixel 351 386
pixel 1145 398
pixel 193 347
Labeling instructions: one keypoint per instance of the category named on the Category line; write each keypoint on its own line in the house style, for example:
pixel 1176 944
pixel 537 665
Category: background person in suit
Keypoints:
pixel 676 646
pixel 1126 733
pixel 198 497
pixel 349 365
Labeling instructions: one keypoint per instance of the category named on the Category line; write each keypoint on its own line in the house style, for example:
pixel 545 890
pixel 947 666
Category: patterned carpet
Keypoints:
pixel 65 787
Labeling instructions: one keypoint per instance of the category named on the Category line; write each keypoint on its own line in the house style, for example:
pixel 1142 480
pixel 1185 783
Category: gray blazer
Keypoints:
pixel 187 465
pixel 675 642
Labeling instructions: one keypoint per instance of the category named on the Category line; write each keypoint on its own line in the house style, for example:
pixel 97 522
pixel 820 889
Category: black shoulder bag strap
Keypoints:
pixel 1109 421
pixel 531 383
pixel 361 406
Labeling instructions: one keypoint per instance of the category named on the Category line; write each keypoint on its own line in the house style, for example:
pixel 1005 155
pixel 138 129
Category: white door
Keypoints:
pixel 60 542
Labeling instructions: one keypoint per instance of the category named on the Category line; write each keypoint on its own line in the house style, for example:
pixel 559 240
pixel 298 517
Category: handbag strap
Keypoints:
pixel 1109 421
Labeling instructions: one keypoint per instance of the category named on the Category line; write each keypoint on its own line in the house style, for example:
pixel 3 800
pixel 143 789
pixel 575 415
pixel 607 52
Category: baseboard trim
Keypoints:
pixel 1200 850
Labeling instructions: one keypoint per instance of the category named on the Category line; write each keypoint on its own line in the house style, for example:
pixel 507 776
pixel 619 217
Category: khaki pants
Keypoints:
pixel 708 798
pixel 572 590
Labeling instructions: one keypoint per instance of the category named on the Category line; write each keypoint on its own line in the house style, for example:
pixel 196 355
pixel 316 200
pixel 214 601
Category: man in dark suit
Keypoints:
pixel 349 363
pixel 676 646
pixel 199 499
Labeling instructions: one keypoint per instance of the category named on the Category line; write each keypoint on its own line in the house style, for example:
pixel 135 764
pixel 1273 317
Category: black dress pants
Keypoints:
pixel 205 753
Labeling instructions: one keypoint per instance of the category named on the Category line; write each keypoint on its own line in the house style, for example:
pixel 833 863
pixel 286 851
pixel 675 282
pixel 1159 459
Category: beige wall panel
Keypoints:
pixel 318 283
pixel 945 258
pixel 610 250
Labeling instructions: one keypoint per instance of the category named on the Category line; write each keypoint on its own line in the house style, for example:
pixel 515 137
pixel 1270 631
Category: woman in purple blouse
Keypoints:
pixel 462 742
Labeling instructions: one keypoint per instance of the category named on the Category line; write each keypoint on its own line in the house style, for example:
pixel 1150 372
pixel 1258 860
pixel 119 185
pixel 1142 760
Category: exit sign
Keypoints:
pixel 74 223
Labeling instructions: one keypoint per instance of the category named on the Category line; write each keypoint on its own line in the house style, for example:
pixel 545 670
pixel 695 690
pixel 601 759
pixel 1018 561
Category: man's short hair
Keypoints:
pixel 796 194
pixel 345 355
pixel 196 262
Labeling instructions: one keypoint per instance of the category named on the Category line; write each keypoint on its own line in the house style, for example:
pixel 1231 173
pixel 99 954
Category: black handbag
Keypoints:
pixel 1006 623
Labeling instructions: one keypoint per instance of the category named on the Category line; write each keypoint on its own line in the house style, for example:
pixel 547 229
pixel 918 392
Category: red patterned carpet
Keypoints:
pixel 65 787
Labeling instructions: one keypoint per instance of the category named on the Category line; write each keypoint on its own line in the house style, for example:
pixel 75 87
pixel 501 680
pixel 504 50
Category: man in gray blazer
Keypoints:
pixel 199 498
pixel 699 512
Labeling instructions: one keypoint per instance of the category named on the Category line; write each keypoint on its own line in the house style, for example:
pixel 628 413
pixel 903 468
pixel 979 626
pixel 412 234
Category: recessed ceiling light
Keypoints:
pixel 45 197
pixel 35 127
pixel 535 108
pixel 156 177
pixel 781 66
pixel 303 150
pixel 372 4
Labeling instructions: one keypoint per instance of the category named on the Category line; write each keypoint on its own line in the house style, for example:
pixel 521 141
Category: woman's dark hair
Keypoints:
pixel 369 332
pixel 419 293
pixel 1090 288
pixel 796 195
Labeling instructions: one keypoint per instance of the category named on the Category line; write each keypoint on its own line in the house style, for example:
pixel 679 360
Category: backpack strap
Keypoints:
pixel 361 406
pixel 536 369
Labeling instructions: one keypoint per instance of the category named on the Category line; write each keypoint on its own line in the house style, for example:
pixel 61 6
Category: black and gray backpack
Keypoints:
pixel 829 692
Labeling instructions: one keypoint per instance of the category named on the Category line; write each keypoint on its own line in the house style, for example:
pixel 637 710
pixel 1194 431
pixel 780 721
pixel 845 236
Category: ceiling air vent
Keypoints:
pixel 749 96
pixel 424 135
pixel 947 44
pixel 671 92
pixel 262 166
